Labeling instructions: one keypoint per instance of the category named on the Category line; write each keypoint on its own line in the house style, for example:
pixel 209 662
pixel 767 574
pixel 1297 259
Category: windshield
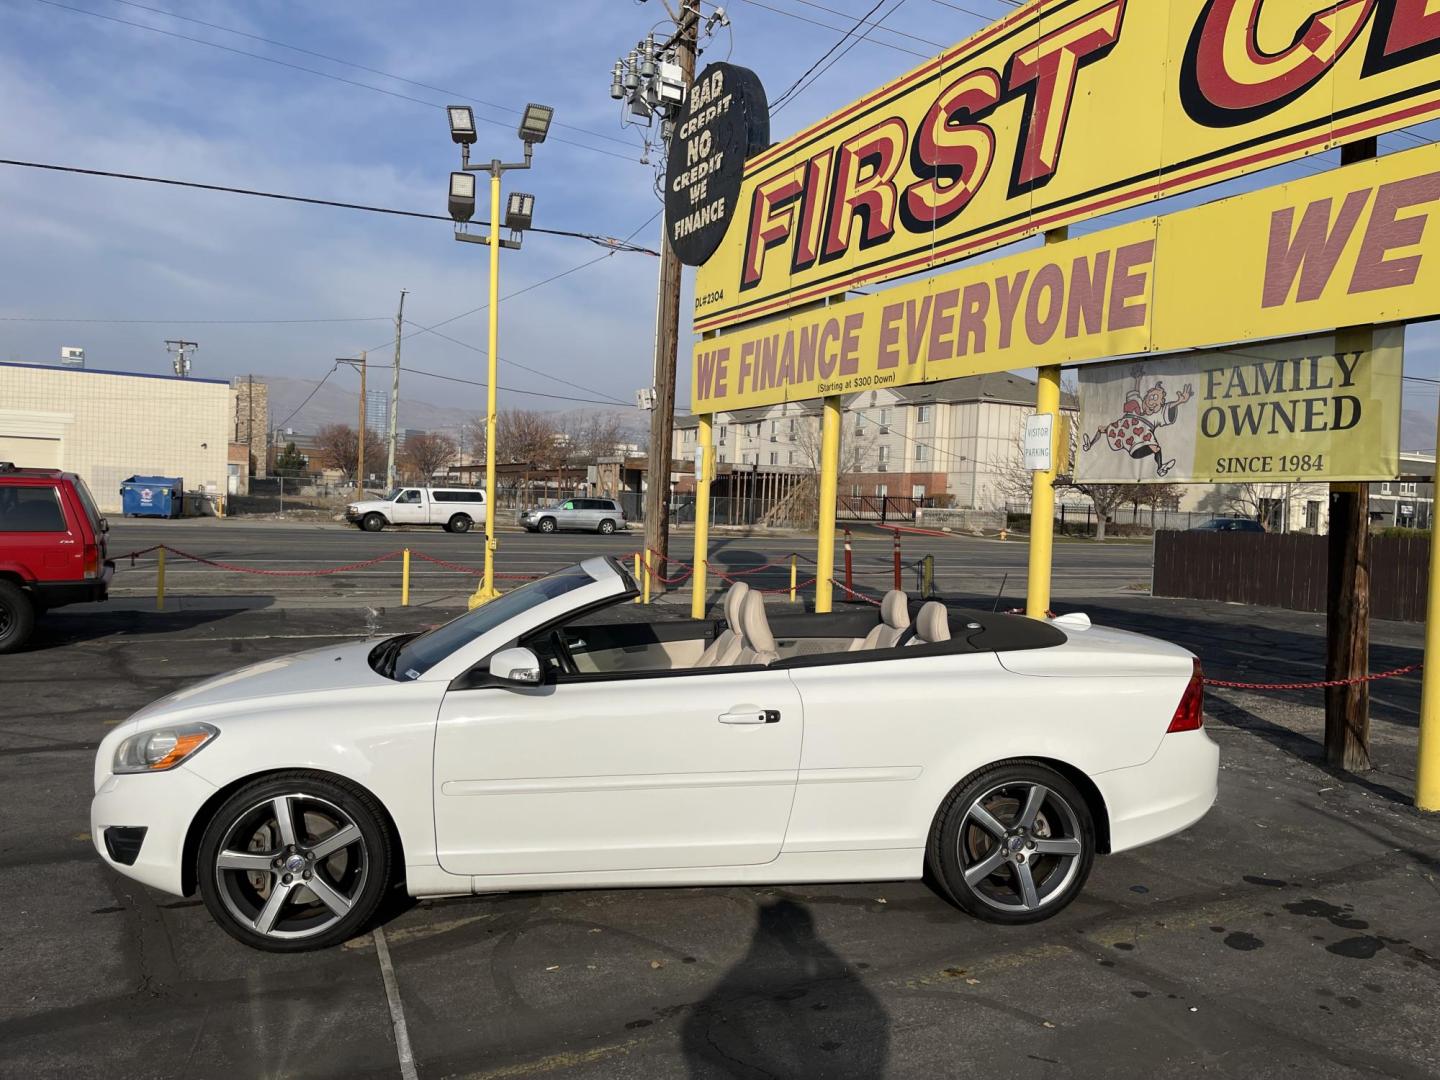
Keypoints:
pixel 420 654
pixel 392 494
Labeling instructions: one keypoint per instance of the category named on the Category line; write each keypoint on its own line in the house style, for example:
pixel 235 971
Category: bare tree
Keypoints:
pixel 1269 504
pixel 585 436
pixel 338 447
pixel 521 435
pixel 426 454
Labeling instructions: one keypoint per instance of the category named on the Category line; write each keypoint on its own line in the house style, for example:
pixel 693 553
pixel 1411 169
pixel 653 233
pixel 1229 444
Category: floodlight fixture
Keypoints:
pixel 519 211
pixel 535 123
pixel 462 196
pixel 462 124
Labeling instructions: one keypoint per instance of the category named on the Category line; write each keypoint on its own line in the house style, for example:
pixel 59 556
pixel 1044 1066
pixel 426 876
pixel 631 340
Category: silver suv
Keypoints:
pixel 586 515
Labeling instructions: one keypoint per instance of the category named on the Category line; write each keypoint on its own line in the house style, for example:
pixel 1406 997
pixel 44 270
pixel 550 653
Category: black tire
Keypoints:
pixel 17 617
pixel 359 872
pixel 959 843
pixel 547 525
pixel 607 527
pixel 460 523
pixel 373 522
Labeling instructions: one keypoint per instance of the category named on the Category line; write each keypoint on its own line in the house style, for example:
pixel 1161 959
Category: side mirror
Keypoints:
pixel 517 665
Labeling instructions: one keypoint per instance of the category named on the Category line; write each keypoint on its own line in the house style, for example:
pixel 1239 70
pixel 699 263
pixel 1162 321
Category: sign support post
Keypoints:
pixel 706 466
pixel 1427 770
pixel 1042 487
pixel 825 510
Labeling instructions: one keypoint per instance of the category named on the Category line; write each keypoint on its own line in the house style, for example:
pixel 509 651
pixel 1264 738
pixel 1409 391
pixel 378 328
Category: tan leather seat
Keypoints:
pixel 932 625
pixel 755 630
pixel 894 622
pixel 723 651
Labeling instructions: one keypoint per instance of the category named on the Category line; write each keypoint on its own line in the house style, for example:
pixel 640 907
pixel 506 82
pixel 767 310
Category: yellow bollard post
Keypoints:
pixel 645 581
pixel 1042 490
pixel 405 579
pixel 1427 768
pixel 793 560
pixel 637 574
pixel 698 583
pixel 829 488
pixel 160 579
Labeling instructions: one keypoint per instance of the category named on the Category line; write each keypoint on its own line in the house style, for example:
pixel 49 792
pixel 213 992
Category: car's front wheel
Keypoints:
pixel 295 861
pixel 547 525
pixel 17 617
pixel 460 523
pixel 372 522
pixel 1013 843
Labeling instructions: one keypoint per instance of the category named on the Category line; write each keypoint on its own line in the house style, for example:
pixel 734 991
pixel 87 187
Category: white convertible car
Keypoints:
pixel 544 742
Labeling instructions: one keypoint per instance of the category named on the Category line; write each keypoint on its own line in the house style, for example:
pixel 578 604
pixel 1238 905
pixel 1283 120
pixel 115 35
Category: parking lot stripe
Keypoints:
pixel 397 1010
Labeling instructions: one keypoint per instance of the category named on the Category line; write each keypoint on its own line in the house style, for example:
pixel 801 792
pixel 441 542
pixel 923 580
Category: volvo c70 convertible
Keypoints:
pixel 545 740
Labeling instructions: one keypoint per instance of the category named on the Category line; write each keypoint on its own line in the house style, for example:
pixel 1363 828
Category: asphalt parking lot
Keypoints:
pixel 1294 931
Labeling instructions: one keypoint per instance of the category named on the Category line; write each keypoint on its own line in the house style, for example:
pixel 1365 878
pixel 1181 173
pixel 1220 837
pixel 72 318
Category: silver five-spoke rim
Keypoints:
pixel 292 866
pixel 1019 846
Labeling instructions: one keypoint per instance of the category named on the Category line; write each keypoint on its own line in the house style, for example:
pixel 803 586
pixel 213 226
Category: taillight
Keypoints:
pixel 92 561
pixel 1190 713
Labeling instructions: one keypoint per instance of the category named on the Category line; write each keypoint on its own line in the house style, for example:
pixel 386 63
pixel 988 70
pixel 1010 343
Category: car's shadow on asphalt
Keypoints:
pixel 53 630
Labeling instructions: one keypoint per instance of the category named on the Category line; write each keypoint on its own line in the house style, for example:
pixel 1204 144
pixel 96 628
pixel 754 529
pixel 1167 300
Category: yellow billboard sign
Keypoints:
pixel 1349 247
pixel 1306 410
pixel 1063 111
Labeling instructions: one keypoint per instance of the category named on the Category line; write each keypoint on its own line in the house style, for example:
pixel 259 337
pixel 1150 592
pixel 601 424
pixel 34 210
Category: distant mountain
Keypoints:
pixel 1417 432
pixel 333 404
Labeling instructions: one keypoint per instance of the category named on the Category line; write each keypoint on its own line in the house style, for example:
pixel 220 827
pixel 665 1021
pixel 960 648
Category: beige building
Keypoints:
pixel 110 425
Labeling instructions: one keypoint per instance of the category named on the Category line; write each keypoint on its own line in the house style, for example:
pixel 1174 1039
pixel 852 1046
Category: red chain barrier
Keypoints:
pixel 1322 684
pixel 856 595
pixel 232 568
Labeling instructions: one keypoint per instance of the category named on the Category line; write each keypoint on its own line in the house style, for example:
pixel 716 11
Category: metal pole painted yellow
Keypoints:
pixel 702 517
pixel 160 580
pixel 405 579
pixel 829 486
pixel 1042 490
pixel 486 592
pixel 637 572
pixel 1427 770
pixel 645 581
pixel 794 559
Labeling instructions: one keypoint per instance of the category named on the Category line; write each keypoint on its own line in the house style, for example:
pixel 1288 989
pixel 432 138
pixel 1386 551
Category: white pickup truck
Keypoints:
pixel 454 509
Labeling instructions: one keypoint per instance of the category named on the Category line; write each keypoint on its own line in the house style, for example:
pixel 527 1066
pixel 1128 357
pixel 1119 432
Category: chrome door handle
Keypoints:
pixel 751 716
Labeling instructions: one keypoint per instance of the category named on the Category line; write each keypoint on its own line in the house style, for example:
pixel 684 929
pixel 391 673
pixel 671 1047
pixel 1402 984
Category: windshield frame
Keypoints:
pixel 605 581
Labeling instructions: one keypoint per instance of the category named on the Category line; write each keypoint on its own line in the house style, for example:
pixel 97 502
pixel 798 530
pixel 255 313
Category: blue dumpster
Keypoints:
pixel 152 496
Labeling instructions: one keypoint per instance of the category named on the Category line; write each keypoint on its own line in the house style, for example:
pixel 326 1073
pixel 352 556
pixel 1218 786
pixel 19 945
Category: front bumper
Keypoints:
pixel 164 805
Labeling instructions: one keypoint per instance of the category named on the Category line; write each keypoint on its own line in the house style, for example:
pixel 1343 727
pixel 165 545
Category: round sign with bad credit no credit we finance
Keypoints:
pixel 725 120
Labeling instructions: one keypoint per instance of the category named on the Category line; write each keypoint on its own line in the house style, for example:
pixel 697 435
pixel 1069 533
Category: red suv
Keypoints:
pixel 52 548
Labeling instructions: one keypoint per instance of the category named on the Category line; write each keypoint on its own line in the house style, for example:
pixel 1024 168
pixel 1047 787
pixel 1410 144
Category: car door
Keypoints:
pixel 569 514
pixel 645 772
pixel 409 507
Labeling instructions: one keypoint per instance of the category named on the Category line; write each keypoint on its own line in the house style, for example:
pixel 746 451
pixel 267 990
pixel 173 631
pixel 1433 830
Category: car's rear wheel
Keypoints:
pixel 1013 843
pixel 295 861
pixel 607 527
pixel 460 523
pixel 17 617
pixel 547 525
pixel 373 522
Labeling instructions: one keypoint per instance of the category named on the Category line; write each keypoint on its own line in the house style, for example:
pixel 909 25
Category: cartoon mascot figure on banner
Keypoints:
pixel 1135 432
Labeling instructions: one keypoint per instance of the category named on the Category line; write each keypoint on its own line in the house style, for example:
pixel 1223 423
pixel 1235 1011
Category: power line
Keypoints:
pixel 511 389
pixel 307 70
pixel 827 26
pixel 796 89
pixel 191 322
pixel 594 238
pixel 308 396
pixel 451 94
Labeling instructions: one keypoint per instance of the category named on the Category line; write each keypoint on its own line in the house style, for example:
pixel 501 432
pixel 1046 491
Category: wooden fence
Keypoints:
pixel 1287 571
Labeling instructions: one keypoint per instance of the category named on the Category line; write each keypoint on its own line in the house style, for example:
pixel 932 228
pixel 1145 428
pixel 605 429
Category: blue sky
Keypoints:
pixel 80 88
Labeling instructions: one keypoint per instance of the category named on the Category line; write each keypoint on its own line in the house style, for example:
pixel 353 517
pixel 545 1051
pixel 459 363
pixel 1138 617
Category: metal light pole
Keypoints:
pixel 534 126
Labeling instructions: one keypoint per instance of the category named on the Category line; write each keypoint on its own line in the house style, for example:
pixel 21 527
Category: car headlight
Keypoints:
pixel 162 748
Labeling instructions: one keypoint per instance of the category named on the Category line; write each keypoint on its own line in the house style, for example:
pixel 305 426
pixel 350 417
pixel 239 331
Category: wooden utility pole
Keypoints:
pixel 1347 603
pixel 667 344
pixel 395 397
pixel 360 438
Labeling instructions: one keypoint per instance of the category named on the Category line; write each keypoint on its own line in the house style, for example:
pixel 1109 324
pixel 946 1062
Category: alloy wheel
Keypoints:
pixel 291 866
pixel 1019 846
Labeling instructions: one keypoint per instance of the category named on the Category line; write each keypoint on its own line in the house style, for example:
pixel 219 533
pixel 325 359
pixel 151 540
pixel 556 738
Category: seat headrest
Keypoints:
pixel 755 625
pixel 733 600
pixel 932 625
pixel 895 610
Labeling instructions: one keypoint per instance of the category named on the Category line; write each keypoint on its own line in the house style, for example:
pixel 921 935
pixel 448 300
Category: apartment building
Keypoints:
pixel 954 442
